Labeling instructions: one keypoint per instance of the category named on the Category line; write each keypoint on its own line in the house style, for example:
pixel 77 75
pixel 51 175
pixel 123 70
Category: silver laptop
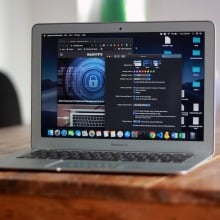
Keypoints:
pixel 121 97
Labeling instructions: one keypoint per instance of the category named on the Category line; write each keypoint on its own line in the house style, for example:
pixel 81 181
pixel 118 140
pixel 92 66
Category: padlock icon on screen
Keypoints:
pixel 93 81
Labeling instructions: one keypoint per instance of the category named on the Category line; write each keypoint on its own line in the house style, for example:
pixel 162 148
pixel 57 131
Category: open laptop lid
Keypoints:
pixel 154 81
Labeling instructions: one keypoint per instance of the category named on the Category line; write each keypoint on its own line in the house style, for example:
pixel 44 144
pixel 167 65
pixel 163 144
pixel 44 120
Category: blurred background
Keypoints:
pixel 18 17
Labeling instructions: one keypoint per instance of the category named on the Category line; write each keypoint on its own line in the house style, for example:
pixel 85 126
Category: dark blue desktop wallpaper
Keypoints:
pixel 189 45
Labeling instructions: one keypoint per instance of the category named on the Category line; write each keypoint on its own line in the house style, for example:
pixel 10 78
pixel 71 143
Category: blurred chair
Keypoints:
pixel 9 108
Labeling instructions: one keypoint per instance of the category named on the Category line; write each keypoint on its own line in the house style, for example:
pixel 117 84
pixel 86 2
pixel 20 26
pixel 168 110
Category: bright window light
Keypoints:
pixel 84 8
pixel 136 10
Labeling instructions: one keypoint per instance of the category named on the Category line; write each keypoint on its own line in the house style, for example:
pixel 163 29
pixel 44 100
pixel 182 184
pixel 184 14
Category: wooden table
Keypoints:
pixel 41 195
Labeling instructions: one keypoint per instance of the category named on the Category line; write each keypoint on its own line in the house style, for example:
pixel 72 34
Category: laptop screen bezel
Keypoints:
pixel 204 147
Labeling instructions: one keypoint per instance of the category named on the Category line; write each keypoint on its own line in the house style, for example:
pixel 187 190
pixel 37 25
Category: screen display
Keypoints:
pixel 141 86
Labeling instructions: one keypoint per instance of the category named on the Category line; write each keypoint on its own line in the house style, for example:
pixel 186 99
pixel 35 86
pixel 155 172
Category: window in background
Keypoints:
pixel 111 10
pixel 136 10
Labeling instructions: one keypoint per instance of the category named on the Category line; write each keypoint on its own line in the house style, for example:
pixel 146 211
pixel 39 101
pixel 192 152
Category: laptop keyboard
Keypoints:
pixel 88 120
pixel 108 156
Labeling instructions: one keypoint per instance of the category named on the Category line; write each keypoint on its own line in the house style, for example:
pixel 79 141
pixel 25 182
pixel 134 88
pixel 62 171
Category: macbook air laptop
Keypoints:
pixel 135 97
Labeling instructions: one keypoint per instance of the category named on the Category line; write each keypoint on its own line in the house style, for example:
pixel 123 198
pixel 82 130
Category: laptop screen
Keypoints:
pixel 137 86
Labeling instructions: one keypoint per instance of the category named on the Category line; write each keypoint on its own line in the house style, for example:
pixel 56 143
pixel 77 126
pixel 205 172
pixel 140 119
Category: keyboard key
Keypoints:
pixel 166 157
pixel 154 157
pixel 140 157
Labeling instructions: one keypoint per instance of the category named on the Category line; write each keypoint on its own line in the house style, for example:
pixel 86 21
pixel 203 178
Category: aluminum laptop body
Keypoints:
pixel 135 97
